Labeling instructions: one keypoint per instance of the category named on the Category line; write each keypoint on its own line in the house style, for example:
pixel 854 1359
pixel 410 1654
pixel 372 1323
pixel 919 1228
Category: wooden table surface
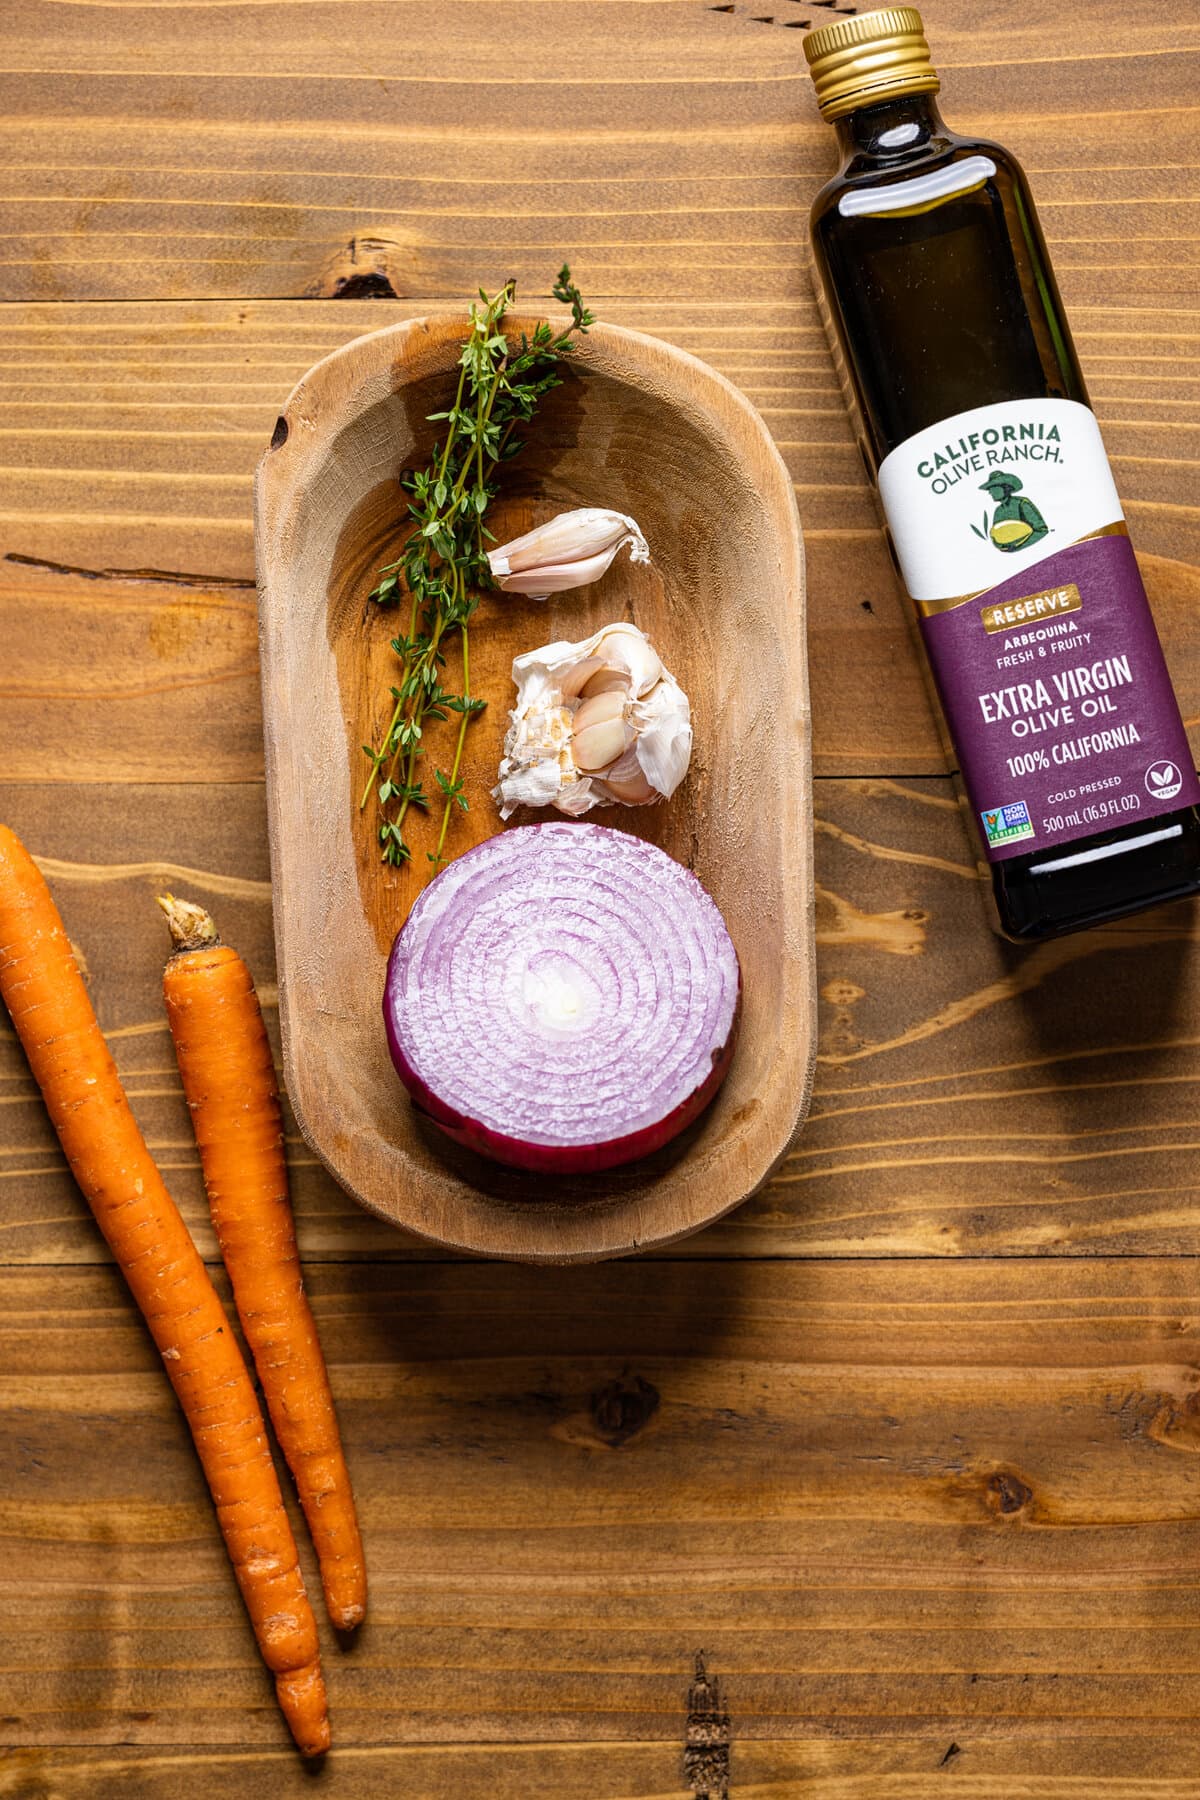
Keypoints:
pixel 907 1447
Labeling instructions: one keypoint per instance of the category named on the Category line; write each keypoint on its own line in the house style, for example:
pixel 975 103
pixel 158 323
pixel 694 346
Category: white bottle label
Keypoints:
pixel 985 494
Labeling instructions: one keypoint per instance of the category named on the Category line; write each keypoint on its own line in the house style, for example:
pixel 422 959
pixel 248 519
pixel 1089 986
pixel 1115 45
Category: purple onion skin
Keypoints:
pixel 559 1159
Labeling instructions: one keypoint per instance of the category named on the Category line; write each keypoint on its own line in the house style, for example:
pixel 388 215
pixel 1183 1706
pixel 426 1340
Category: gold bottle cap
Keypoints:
pixel 869 58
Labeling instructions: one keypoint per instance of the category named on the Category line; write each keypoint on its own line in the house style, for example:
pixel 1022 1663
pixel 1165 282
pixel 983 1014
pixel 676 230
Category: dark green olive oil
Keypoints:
pixel 972 415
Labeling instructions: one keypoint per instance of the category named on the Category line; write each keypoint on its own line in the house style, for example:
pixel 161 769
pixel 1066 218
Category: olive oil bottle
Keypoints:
pixel 1000 509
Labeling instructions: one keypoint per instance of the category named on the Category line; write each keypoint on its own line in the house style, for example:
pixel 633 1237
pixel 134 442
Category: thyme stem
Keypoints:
pixel 458 750
pixel 443 562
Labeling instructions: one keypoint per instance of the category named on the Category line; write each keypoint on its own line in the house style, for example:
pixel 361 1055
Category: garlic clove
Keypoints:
pixel 576 681
pixel 625 766
pixel 555 578
pixel 626 780
pixel 598 708
pixel 601 744
pixel 604 681
pixel 551 759
pixel 634 792
pixel 625 648
pixel 581 532
pixel 569 551
pixel 663 720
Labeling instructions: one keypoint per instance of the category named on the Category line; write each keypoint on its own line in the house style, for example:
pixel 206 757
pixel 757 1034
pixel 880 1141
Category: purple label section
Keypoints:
pixel 1059 702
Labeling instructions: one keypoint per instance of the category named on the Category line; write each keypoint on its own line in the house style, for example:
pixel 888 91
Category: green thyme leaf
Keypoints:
pixel 442 566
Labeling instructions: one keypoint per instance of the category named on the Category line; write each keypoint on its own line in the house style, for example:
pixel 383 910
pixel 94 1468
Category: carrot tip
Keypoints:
pixel 191 927
pixel 301 1695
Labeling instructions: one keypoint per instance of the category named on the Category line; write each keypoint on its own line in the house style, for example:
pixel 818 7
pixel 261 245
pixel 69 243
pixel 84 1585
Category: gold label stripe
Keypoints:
pixel 1013 615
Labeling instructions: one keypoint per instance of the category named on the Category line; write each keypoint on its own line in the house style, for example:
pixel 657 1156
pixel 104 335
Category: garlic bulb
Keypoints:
pixel 569 551
pixel 595 722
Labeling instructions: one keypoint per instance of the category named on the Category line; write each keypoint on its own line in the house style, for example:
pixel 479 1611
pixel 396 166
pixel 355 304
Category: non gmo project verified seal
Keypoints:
pixel 1007 824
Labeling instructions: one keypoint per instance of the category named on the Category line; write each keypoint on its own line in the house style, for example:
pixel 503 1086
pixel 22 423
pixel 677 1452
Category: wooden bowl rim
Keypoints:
pixel 441 328
pixel 622 354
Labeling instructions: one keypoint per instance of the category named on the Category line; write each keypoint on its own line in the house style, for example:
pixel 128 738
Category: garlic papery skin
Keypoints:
pixel 595 723
pixel 545 770
pixel 569 551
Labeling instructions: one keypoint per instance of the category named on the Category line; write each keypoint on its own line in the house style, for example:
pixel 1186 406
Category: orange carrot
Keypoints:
pixel 44 992
pixel 229 1080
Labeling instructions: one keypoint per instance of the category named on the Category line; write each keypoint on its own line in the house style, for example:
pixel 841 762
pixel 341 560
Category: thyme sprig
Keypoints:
pixel 443 563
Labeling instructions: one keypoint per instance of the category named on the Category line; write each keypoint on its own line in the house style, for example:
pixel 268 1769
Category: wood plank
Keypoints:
pixel 128 445
pixel 928 1519
pixel 665 145
pixel 830 1768
pixel 928 1500
pixel 970 1099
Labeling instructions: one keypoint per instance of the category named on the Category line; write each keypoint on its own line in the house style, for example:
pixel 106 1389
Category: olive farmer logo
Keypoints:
pixel 1016 523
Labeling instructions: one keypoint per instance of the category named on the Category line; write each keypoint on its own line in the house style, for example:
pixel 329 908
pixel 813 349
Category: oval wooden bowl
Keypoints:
pixel 650 431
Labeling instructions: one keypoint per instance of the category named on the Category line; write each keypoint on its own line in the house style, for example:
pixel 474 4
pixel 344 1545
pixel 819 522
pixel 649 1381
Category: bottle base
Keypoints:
pixel 1098 879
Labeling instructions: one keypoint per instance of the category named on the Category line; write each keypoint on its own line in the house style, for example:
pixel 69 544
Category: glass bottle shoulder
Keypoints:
pixel 874 165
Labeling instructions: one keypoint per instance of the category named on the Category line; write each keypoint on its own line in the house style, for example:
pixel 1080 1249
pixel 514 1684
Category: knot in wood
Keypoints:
pixel 1007 1493
pixel 706 1748
pixel 623 1408
pixel 367 268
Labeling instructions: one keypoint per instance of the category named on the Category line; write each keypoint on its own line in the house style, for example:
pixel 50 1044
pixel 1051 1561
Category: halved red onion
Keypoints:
pixel 563 997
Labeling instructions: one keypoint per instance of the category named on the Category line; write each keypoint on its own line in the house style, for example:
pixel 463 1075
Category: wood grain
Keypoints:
pixel 969 1098
pixel 664 146
pixel 923 1499
pixel 552 1548
pixel 127 451
pixel 834 1768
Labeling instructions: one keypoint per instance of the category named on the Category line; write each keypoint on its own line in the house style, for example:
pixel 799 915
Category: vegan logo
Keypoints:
pixel 1163 780
pixel 1015 524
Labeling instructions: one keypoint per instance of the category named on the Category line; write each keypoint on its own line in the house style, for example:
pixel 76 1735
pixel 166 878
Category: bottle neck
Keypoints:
pixel 890 133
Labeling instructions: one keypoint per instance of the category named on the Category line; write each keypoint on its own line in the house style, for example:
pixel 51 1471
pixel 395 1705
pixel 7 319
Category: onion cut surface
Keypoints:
pixel 564 997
